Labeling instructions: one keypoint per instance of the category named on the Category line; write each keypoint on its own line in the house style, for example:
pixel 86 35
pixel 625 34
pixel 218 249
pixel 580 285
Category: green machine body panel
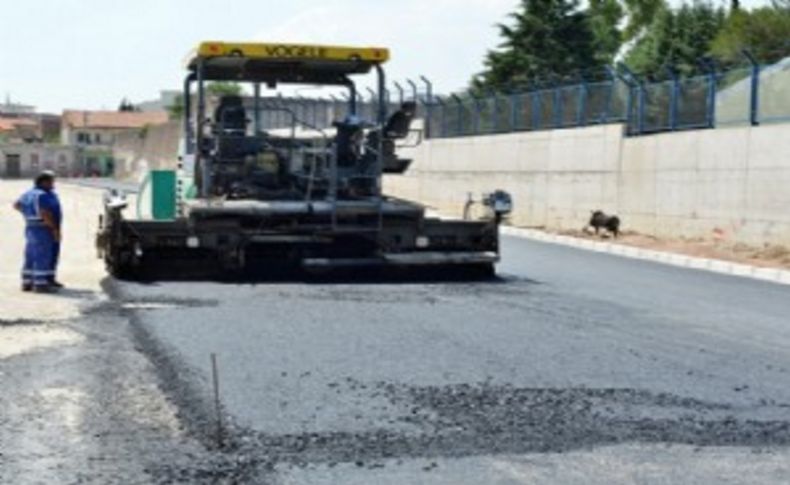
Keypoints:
pixel 163 194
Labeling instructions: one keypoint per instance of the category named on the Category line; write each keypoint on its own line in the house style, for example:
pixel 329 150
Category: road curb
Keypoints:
pixel 772 275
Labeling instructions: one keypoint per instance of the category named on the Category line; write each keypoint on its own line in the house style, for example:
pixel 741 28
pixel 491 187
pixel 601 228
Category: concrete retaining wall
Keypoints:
pixel 728 183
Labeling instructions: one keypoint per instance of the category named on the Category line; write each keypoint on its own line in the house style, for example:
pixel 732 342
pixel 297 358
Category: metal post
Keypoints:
pixel 443 123
pixel 256 88
pixel 581 108
pixel 400 92
pixel 634 86
pixel 382 119
pixel 613 76
pixel 189 135
pixel 329 118
pixel 495 111
pixel 413 89
pixel 712 85
pixel 460 121
pixel 428 105
pixel 428 88
pixel 217 405
pixel 513 110
pixel 754 98
pixel 537 109
pixel 557 105
pixel 205 163
pixel 352 98
pixel 476 102
pixel 372 104
pixel 673 99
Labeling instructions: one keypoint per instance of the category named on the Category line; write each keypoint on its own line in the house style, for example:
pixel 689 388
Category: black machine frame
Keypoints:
pixel 329 230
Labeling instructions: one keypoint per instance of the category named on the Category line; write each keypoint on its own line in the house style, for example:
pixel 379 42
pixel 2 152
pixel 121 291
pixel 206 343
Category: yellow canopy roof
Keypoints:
pixel 286 52
pixel 288 63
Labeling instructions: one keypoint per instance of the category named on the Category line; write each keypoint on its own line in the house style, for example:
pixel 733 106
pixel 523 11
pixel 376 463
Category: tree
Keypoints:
pixel 764 32
pixel 547 38
pixel 127 106
pixel 677 38
pixel 605 19
pixel 176 110
pixel 224 88
pixel 640 14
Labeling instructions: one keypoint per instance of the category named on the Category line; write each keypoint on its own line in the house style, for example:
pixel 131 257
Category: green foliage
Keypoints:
pixel 224 88
pixel 605 17
pixel 176 110
pixel 546 38
pixel 677 38
pixel 764 31
pixel 558 38
pixel 640 14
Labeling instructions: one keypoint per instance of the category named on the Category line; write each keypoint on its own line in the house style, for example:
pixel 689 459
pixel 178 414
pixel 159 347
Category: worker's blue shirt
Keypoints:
pixel 57 212
pixel 36 200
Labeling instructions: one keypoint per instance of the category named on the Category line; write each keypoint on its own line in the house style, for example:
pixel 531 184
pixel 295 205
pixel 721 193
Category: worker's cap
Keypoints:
pixel 45 176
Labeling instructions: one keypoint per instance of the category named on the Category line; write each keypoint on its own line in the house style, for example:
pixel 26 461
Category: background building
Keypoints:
pixel 25 160
pixel 92 134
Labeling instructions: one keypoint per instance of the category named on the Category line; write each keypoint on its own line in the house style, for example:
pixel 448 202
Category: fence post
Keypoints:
pixel 443 119
pixel 460 120
pixel 710 103
pixel 476 102
pixel 634 86
pixel 513 110
pixel 400 92
pixel 495 113
pixel 428 105
pixel 582 102
pixel 413 89
pixel 537 110
pixel 613 76
pixel 673 98
pixel 557 106
pixel 754 98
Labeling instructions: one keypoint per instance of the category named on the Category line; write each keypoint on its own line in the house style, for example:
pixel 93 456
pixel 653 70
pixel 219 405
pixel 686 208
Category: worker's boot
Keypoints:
pixel 27 287
pixel 55 283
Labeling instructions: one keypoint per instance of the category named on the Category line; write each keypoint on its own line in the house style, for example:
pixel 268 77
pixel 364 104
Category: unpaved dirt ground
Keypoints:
pixel 767 256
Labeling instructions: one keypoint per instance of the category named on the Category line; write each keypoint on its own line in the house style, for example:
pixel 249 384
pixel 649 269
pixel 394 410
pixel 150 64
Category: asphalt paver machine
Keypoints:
pixel 307 198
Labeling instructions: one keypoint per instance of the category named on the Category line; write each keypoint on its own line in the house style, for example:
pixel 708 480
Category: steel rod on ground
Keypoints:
pixel 215 382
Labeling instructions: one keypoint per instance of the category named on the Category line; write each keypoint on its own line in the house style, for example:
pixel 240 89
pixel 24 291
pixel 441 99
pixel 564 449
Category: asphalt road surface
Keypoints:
pixel 573 367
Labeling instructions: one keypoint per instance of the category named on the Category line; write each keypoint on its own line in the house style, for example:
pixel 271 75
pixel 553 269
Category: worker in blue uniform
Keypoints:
pixel 41 210
pixel 57 216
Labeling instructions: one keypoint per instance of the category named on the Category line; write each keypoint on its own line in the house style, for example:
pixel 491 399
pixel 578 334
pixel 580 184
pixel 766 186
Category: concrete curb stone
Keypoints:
pixel 773 275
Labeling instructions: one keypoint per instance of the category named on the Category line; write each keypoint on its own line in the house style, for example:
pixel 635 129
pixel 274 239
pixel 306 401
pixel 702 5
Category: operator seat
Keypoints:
pixel 399 124
pixel 230 117
pixel 348 141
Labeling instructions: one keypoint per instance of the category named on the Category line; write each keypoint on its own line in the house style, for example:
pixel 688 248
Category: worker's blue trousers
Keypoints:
pixel 40 251
pixel 55 258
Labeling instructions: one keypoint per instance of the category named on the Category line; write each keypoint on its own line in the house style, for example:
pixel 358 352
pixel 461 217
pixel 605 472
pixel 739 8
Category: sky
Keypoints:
pixel 89 54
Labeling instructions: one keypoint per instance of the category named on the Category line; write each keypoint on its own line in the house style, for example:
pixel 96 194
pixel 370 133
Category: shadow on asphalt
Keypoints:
pixel 333 277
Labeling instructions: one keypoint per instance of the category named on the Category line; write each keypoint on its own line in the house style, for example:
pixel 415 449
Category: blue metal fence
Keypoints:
pixel 749 95
pixel 752 94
